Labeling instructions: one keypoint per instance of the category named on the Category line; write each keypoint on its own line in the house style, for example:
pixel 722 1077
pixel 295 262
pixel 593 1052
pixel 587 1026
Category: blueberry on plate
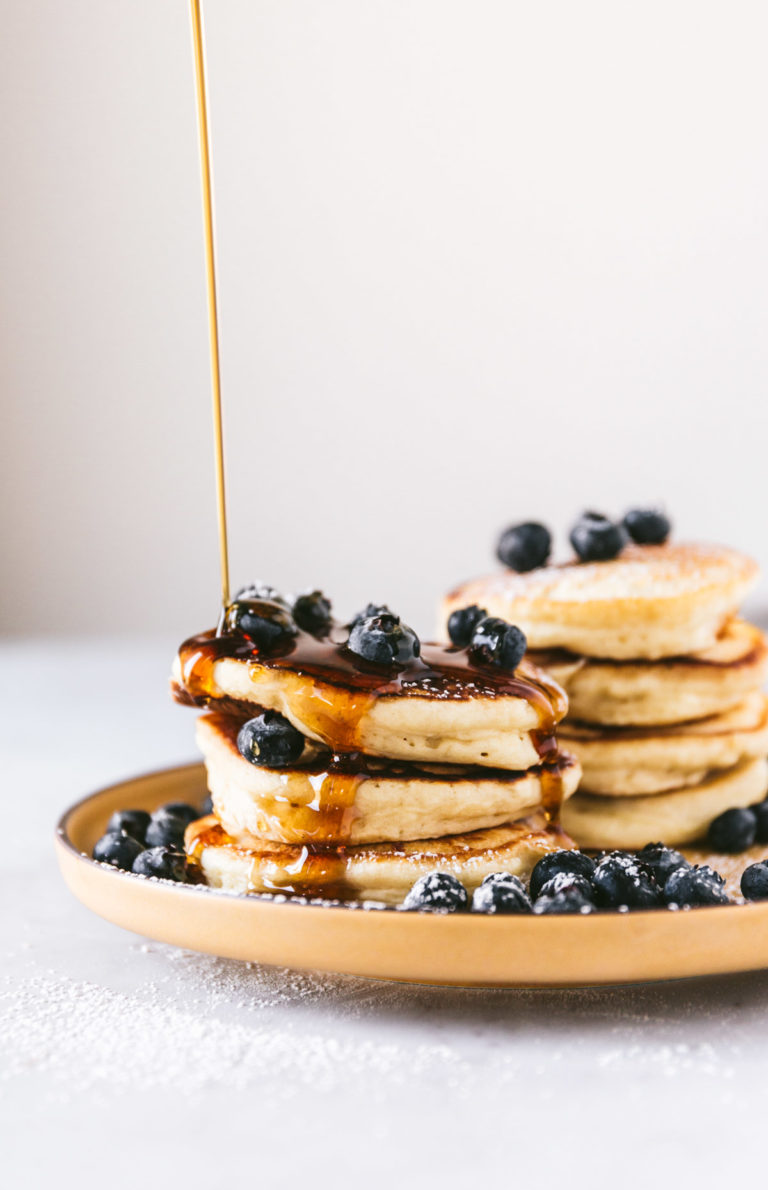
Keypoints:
pixel 647 526
pixel 265 624
pixel 384 640
pixel 524 547
pixel 754 882
pixel 495 642
pixel 597 539
pixel 118 849
pixel 438 892
pixel 733 830
pixel 501 892
pixel 562 881
pixel 133 822
pixel 661 861
pixel 166 830
pixel 570 900
pixel 312 613
pixel 163 862
pixel 270 740
pixel 619 879
pixel 462 623
pixel 370 609
pixel 695 886
pixel 575 863
pixel 181 810
pixel 760 811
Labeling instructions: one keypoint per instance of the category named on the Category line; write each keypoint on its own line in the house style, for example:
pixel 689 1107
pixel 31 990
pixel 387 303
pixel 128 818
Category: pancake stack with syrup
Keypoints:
pixel 667 714
pixel 346 761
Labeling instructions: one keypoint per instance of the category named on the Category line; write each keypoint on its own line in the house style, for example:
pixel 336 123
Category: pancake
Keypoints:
pixel 357 799
pixel 624 762
pixel 652 601
pixel 381 872
pixel 440 708
pixel 681 816
pixel 674 690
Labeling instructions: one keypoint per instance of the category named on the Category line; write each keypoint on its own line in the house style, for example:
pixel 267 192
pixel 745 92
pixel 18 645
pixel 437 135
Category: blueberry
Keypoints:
pixel 261 591
pixel 312 613
pixel 524 547
pixel 207 806
pixel 271 740
pixel 462 623
pixel 733 830
pixel 575 863
pixel 384 640
pixel 501 893
pixel 166 830
pixel 760 811
pixel 371 609
pixel 661 861
pixel 264 623
pixel 563 881
pixel 118 849
pixel 754 882
pixel 695 886
pixel 437 892
pixel 596 539
pixel 570 900
pixel 620 880
pixel 647 526
pixel 163 862
pixel 495 642
pixel 133 822
pixel 181 810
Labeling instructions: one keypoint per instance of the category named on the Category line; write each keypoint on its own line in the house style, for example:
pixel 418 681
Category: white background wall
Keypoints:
pixel 479 261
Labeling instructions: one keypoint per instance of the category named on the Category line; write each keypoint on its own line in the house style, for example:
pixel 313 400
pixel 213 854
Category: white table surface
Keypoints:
pixel 128 1063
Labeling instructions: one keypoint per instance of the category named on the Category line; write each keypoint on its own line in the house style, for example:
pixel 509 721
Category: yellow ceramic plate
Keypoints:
pixel 461 949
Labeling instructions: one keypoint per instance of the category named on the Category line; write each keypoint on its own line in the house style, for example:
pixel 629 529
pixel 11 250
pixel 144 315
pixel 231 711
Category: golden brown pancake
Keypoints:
pixel 381 872
pixel 652 601
pixel 356 799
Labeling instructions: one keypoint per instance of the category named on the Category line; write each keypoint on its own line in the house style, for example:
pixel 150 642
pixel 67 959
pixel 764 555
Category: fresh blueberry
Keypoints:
pixel 563 881
pixel 207 806
pixel 271 740
pixel 495 642
pixel 118 849
pixel 384 640
pixel 754 882
pixel 181 810
pixel 596 539
pixel 524 547
pixel 262 591
pixel 371 609
pixel 619 879
pixel 312 613
pixel 264 623
pixel 462 623
pixel 661 861
pixel 163 862
pixel 575 863
pixel 733 830
pixel 695 886
pixel 133 822
pixel 569 900
pixel 760 811
pixel 166 830
pixel 647 526
pixel 438 892
pixel 501 893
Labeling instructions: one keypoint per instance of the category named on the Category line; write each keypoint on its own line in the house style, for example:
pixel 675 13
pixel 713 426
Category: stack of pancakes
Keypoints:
pixel 440 764
pixel 666 713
